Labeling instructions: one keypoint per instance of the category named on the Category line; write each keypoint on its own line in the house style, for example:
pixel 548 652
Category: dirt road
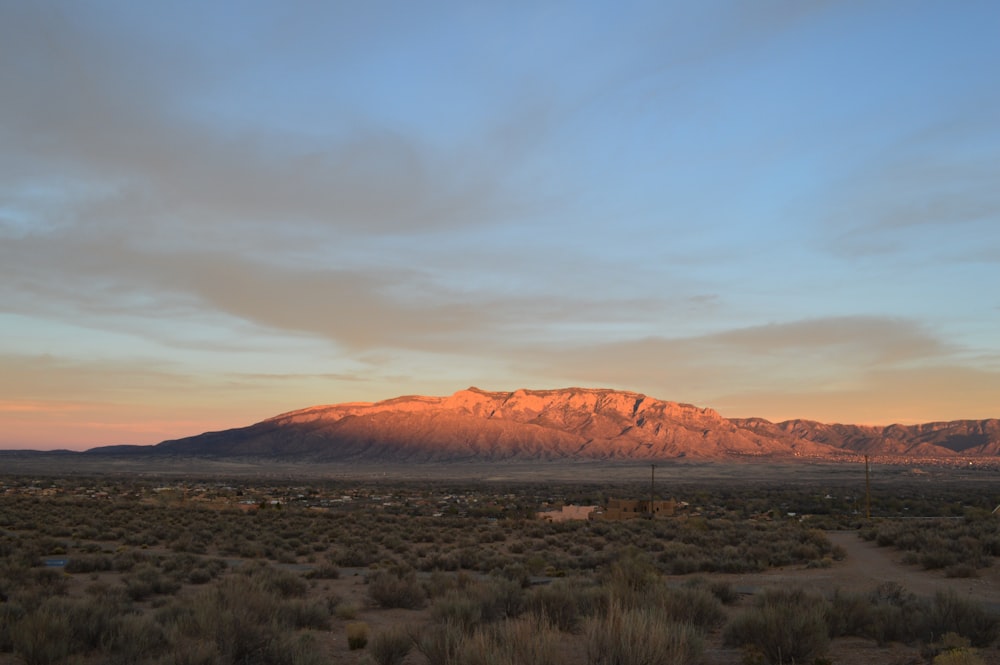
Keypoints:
pixel 867 565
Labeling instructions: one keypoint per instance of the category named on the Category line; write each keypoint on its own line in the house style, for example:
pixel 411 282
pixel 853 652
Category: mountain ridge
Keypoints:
pixel 563 424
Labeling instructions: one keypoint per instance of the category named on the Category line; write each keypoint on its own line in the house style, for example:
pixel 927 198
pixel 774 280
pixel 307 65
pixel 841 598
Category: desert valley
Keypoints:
pixel 525 528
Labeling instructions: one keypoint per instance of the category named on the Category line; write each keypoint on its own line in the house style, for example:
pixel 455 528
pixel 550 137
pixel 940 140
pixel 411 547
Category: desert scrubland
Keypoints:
pixel 757 564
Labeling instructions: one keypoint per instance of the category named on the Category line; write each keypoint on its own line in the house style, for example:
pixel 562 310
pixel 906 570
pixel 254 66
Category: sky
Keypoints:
pixel 215 212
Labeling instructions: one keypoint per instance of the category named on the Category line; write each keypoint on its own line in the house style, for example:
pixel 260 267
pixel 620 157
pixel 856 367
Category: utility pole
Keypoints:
pixel 652 477
pixel 868 491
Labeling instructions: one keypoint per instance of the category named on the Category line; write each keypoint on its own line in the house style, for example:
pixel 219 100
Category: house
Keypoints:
pixel 628 509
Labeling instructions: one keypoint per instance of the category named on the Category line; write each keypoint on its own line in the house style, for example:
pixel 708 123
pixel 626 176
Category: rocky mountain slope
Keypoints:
pixel 567 424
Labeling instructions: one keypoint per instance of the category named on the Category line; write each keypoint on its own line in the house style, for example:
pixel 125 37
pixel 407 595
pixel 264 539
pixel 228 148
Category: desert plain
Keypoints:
pixel 233 562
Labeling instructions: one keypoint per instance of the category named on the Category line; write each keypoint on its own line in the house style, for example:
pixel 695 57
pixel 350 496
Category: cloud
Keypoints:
pixel 34 406
pixel 60 401
pixel 105 281
pixel 348 307
pixel 879 397
pixel 931 190
pixel 90 108
pixel 730 369
pixel 120 201
pixel 864 339
pixel 59 380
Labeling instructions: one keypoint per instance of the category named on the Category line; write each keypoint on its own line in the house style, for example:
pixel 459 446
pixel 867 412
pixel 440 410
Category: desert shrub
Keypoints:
pixel 147 580
pixel 685 565
pixel 500 599
pixel 356 557
pixel 291 649
pixel 468 558
pixel 564 603
pixel 326 571
pixel 784 625
pixel 50 582
pixel 42 637
pixel 390 646
pixel 516 642
pixel 959 657
pixel 124 562
pixel 638 636
pixel 696 606
pixel 950 613
pixel 237 619
pixel 197 570
pixel 93 620
pixel 897 615
pixel 439 561
pixel 628 578
pixel 458 608
pixel 955 651
pixel 199 576
pixel 961 570
pixel 396 588
pixel 180 617
pixel 132 639
pixel 937 556
pixel 357 635
pixel 951 649
pixel 247 621
pixel 188 651
pixel 824 562
pixel 486 602
pixel 515 572
pixel 724 591
pixel 849 614
pixel 940 544
pixel 439 643
pixel 274 580
pixel 439 583
pixel 346 610
pixel 89 563
pixel 10 614
pixel 301 613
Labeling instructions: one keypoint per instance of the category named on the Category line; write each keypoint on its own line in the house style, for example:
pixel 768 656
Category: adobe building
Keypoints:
pixel 567 513
pixel 630 509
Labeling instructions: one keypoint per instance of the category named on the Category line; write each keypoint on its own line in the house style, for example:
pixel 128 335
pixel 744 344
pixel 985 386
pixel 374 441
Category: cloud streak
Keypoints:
pixel 818 366
pixel 82 106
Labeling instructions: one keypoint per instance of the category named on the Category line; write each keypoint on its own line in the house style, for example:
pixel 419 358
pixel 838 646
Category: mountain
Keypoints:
pixel 970 438
pixel 568 424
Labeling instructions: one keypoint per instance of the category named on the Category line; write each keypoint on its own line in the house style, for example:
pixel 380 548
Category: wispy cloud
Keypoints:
pixel 94 109
pixel 931 188
pixel 878 397
pixel 820 364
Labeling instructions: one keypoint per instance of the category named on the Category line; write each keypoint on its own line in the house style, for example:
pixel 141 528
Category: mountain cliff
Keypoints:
pixel 567 424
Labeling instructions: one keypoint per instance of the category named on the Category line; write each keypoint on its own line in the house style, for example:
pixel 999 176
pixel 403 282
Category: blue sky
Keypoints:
pixel 214 212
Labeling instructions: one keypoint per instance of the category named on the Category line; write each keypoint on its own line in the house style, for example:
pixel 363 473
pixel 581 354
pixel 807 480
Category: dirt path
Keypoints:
pixel 867 566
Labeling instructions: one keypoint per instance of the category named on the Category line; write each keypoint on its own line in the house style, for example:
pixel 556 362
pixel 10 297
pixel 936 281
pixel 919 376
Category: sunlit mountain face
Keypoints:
pixel 566 424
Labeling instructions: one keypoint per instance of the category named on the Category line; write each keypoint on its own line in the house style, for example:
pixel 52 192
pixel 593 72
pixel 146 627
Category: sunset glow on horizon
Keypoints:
pixel 212 213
